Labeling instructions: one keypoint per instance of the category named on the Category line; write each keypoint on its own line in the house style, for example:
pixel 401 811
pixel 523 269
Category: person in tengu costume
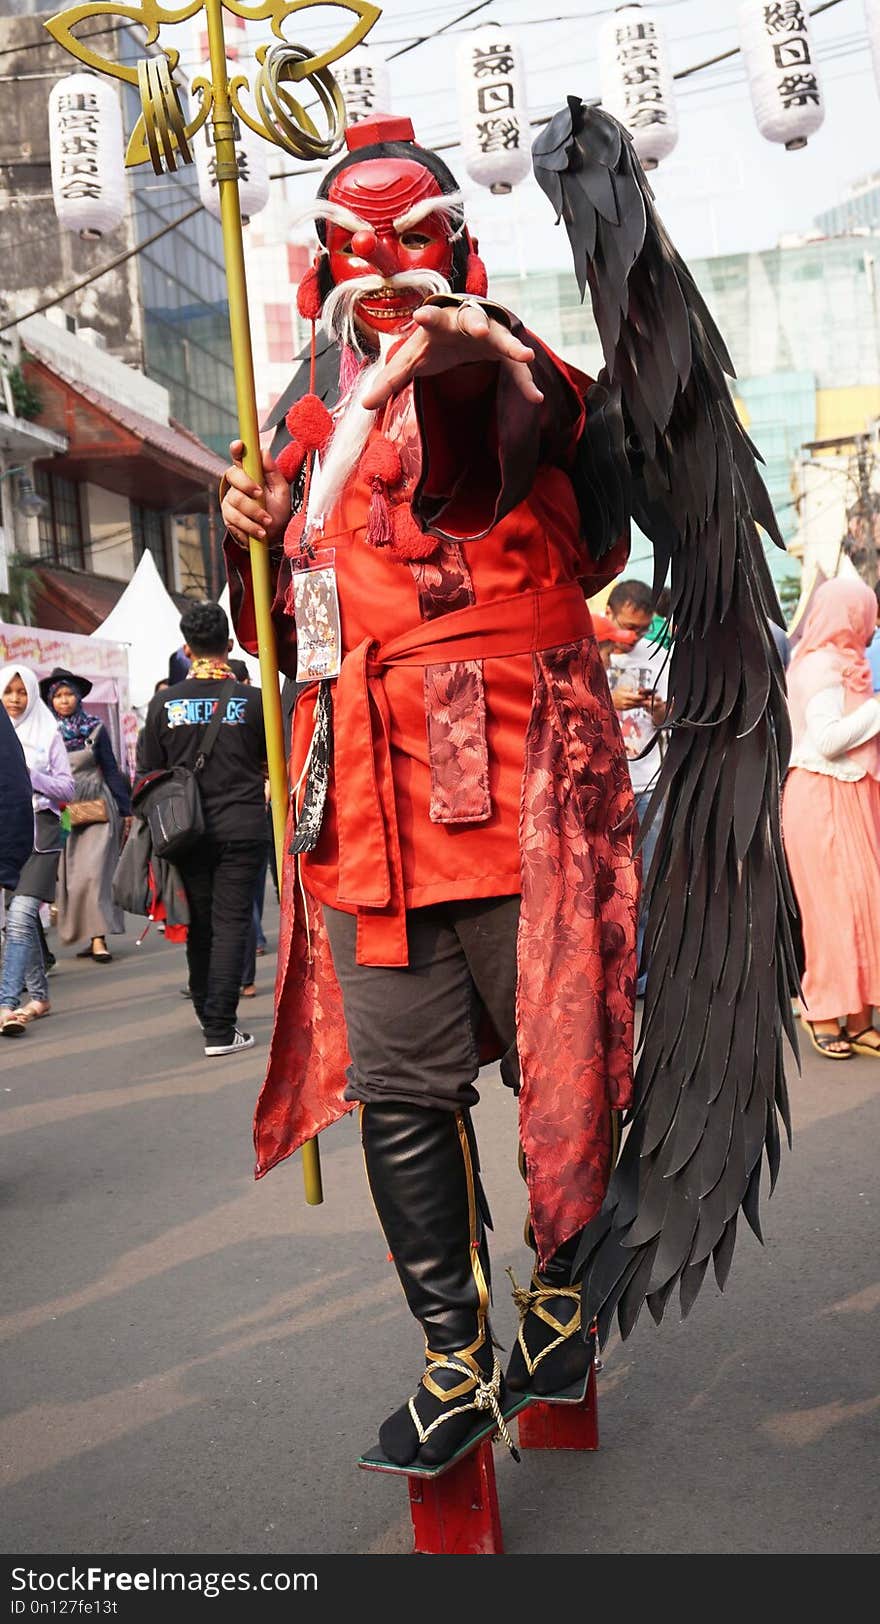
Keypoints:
pixel 463 882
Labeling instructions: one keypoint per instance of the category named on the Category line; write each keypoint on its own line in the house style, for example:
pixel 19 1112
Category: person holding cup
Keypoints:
pixel 638 694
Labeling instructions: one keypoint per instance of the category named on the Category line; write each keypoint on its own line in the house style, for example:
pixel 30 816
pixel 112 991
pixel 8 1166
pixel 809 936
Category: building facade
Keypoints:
pixel 802 323
pixel 163 311
pixel 103 451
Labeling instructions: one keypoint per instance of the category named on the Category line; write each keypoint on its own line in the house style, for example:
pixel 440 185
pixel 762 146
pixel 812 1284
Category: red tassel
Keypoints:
pixel 476 278
pixel 310 422
pixel 379 532
pixel 409 543
pixel 308 295
pixel 290 460
pixel 381 460
pixel 293 535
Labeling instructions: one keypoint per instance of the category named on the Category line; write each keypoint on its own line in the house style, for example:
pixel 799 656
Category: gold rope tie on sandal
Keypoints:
pixel 531 1301
pixel 486 1397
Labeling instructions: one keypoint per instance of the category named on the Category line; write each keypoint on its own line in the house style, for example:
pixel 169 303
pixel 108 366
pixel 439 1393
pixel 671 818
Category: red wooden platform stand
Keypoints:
pixel 454 1507
pixel 562 1423
pixel 457 1513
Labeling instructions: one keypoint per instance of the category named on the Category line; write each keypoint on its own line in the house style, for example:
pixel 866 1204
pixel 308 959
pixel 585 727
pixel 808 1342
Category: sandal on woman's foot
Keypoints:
pixel 834 1046
pixel 454 1401
pixel 550 1354
pixel 11 1024
pixel 34 1010
pixel 864 1048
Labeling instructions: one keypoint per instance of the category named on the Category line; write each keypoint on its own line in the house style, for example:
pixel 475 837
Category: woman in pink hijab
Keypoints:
pixel 831 819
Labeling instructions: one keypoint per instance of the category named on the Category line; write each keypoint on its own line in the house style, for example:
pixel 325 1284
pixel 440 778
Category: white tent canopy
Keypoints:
pixel 237 652
pixel 147 620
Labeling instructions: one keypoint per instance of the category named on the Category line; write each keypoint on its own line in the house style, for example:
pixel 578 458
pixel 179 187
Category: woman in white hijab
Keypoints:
pixel 24 971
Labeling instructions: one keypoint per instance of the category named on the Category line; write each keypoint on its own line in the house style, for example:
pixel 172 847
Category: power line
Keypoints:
pixel 118 259
pixel 423 39
pixel 446 146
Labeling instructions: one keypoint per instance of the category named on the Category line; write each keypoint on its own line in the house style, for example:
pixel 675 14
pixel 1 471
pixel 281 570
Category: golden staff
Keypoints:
pixel 162 136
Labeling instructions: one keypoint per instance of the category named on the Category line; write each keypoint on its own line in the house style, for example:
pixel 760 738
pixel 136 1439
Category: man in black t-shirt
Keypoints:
pixel 219 874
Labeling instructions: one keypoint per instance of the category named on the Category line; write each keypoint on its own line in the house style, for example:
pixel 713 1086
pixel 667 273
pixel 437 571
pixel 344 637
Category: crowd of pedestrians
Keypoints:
pixel 67 815
pixel 24 987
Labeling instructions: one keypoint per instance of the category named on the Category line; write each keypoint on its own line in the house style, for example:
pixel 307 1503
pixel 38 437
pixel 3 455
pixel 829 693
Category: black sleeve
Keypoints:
pixel 150 752
pixel 115 780
pixel 255 709
pixel 16 808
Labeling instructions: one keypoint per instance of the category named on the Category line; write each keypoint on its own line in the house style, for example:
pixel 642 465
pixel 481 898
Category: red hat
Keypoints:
pixel 607 632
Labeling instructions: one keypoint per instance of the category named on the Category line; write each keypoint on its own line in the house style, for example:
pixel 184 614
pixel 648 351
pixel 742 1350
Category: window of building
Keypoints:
pixel 62 539
pixel 149 531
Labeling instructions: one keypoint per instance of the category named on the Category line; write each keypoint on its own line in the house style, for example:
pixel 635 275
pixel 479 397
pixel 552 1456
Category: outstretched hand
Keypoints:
pixel 249 509
pixel 452 336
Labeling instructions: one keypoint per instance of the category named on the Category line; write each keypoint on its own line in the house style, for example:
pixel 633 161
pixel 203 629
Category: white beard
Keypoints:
pixel 337 314
pixel 352 429
pixel 346 444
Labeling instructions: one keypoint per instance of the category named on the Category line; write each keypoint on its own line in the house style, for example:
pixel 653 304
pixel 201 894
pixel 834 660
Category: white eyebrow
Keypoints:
pixel 324 210
pixel 451 203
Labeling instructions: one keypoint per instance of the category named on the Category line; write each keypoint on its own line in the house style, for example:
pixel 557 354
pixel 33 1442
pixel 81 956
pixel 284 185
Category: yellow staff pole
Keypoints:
pixel 249 432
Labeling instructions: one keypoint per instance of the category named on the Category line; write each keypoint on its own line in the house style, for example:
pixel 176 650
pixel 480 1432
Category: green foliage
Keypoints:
pixel 788 589
pixel 16 604
pixel 25 398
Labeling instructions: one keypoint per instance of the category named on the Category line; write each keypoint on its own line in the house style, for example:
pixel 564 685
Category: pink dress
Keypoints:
pixel 831 803
pixel 831 829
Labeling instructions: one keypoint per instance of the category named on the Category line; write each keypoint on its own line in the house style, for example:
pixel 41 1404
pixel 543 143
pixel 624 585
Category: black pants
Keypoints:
pixel 412 1033
pixel 249 963
pixel 219 879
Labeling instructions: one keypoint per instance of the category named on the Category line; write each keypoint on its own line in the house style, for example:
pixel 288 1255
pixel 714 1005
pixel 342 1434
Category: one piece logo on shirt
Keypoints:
pixel 192 712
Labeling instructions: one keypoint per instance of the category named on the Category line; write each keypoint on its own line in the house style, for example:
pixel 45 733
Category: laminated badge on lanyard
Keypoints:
pixel 319 656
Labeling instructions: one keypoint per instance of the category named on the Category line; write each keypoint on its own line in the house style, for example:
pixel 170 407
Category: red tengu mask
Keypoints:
pixel 389 196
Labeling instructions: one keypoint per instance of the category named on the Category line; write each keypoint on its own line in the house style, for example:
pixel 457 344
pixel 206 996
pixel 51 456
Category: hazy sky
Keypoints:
pixel 723 189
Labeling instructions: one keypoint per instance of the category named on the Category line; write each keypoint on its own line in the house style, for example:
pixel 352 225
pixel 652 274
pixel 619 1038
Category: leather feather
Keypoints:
pixel 722 935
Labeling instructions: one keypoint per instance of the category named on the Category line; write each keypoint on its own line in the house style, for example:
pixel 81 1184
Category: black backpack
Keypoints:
pixel 169 800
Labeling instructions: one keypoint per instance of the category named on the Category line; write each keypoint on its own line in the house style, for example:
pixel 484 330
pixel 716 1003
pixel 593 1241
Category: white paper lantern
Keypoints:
pixel 780 62
pixel 363 78
pixel 493 113
pixel 872 21
pixel 251 152
pixel 87 154
pixel 636 82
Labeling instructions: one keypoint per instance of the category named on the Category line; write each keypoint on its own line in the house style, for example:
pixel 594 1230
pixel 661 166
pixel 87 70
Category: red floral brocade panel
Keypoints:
pixel 308 1054
pixel 577 941
pixel 455 700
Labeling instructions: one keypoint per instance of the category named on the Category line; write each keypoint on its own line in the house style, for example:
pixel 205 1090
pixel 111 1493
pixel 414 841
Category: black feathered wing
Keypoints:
pixel 668 447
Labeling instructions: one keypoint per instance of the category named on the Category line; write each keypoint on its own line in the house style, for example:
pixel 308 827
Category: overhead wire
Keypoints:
pixel 538 122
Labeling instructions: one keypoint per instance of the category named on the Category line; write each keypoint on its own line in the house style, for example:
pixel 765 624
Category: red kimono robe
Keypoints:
pixel 476 754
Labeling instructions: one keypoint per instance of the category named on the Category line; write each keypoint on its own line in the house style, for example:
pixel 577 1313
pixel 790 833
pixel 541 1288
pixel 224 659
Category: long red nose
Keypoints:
pixel 367 246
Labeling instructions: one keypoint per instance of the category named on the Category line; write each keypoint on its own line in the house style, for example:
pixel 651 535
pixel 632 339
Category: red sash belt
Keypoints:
pixel 370 872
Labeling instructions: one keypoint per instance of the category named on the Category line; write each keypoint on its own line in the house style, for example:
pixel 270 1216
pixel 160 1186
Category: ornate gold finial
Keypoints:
pixel 162 133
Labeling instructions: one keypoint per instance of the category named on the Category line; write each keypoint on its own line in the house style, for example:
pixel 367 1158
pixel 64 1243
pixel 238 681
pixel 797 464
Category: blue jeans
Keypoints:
pixel 649 846
pixel 23 967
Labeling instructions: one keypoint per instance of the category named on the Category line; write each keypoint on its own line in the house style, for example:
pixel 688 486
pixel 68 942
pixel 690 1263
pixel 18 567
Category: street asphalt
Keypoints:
pixel 193 1360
